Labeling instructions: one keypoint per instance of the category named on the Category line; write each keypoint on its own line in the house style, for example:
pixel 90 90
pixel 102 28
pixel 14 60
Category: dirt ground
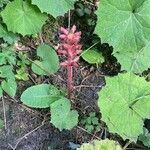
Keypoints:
pixel 29 129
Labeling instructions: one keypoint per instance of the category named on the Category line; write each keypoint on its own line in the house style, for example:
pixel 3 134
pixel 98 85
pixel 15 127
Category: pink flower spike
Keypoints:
pixel 70 48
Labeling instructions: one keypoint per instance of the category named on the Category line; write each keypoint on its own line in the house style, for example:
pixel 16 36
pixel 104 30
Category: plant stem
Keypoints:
pixel 69 82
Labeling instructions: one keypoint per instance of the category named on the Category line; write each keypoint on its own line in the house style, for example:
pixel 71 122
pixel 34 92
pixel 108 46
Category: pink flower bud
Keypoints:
pixel 64 31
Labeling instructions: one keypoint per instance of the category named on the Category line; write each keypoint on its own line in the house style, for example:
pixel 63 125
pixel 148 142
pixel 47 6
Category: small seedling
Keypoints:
pixel 91 122
pixel 22 63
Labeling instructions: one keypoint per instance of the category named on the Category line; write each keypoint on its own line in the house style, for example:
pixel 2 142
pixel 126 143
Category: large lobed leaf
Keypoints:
pixel 22 17
pixel 3 2
pixel 124 102
pixel 125 24
pixel 145 137
pixel 54 7
pixel 61 115
pixel 101 145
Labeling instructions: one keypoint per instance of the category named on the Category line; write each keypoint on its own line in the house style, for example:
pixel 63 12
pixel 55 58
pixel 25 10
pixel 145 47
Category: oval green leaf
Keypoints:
pixel 40 96
pixel 49 63
pixel 92 56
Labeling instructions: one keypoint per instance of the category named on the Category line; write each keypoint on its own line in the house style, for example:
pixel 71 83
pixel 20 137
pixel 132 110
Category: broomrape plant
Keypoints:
pixel 70 48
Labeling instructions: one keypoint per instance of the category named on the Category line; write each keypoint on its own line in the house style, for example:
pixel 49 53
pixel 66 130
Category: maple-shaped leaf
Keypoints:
pixel 101 145
pixel 54 7
pixel 22 17
pixel 125 24
pixel 124 102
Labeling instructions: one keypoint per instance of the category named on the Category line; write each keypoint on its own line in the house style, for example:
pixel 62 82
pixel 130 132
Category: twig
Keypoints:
pixel 69 19
pixel 26 108
pixel 10 146
pixel 93 136
pixel 88 132
pixel 20 139
pixel 127 144
pixel 89 48
pixel 41 39
pixel 79 90
pixel 4 112
pixel 87 86
pixel 30 77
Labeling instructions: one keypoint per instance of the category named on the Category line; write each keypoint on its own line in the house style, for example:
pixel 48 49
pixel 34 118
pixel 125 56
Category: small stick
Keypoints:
pixel 4 112
pixel 127 144
pixel 88 132
pixel 69 19
pixel 41 39
pixel 87 86
pixel 20 139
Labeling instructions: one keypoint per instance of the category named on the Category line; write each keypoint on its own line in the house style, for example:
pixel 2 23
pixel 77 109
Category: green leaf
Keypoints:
pixel 7 56
pixel 145 137
pixel 101 145
pixel 89 120
pixel 136 62
pixel 6 72
pixel 54 7
pixel 8 37
pixel 89 128
pixel 49 63
pixel 40 96
pixel 92 114
pixel 92 56
pixel 125 24
pixel 124 103
pixel 21 74
pixel 8 84
pixel 23 59
pixel 61 115
pixel 95 121
pixel 3 2
pixel 1 124
pixel 22 17
pixel 1 91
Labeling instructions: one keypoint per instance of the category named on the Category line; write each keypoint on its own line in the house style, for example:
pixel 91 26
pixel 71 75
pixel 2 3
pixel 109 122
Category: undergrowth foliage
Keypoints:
pixel 124 24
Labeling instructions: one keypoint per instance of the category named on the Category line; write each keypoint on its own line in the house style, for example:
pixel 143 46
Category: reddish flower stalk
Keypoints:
pixel 70 48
